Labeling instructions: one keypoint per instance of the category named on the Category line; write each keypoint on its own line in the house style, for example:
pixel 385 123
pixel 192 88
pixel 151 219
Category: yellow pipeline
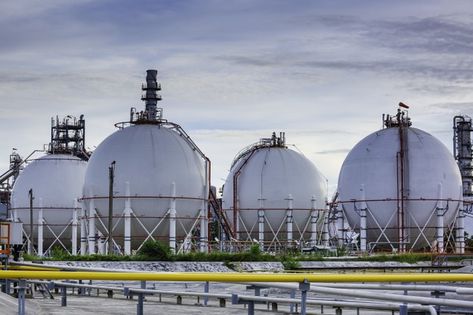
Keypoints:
pixel 32 268
pixel 236 277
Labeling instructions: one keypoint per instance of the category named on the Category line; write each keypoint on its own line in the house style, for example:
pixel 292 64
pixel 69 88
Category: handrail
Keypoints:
pixel 237 277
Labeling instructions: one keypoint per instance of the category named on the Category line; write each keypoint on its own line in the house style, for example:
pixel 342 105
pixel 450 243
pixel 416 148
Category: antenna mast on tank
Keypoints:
pixel 68 136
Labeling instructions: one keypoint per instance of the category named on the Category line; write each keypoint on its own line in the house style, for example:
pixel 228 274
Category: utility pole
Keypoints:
pixel 30 246
pixel 111 175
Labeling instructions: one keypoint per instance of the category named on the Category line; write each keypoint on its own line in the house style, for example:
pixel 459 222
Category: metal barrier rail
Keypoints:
pixel 248 300
pixel 303 280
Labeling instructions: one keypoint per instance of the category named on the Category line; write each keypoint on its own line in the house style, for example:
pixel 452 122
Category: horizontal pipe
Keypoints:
pixel 393 297
pixel 396 287
pixel 236 277
pixel 367 286
pixel 350 304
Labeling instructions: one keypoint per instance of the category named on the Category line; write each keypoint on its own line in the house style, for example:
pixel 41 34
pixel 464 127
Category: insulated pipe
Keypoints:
pixel 335 303
pixel 397 287
pixel 289 219
pixel 363 208
pixel 313 221
pixel 172 218
pixel 83 230
pixel 440 210
pixel 40 228
pixel 92 215
pixel 127 220
pixel 241 277
pixel 393 297
pixel 74 229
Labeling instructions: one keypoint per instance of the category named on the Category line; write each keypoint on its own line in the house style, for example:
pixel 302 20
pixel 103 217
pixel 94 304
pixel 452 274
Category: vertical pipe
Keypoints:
pixel 313 221
pixel 140 304
pixel 304 287
pixel 40 228
pixel 235 205
pixel 440 210
pixel 63 296
pixel 30 242
pixel 203 213
pixel 363 210
pixel 289 219
pixel 237 216
pixel 111 175
pixel 127 221
pixel 92 215
pixel 172 219
pixel 206 290
pixel 21 297
pixel 83 229
pixel 74 228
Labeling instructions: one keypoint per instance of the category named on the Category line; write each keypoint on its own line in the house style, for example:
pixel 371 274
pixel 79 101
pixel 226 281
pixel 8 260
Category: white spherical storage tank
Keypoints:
pixel 274 195
pixel 55 181
pixel 405 183
pixel 149 161
pixel 160 185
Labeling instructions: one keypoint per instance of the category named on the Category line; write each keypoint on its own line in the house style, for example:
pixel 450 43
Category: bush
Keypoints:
pixel 58 253
pixel 155 250
pixel 289 262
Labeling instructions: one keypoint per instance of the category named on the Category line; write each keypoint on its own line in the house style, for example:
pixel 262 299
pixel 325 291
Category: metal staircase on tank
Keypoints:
pixel 220 215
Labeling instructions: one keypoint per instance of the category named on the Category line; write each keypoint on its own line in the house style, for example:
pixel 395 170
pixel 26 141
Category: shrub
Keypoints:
pixel 155 250
pixel 289 262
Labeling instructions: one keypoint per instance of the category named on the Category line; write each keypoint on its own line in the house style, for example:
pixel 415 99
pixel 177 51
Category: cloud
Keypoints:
pixel 454 107
pixel 337 151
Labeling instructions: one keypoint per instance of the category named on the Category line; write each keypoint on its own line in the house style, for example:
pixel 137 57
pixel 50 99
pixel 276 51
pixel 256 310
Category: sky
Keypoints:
pixel 233 72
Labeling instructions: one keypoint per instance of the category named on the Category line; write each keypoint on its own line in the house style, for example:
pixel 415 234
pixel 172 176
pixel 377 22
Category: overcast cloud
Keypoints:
pixel 234 71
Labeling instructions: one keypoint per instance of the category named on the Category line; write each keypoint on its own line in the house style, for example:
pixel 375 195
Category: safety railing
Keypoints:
pixel 267 279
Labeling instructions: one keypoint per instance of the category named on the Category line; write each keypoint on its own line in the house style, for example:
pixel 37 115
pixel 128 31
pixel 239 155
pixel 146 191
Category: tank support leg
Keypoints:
pixel 40 228
pixel 440 212
pixel 203 229
pixel 289 219
pixel 313 221
pixel 74 229
pixel 91 227
pixel 460 231
pixel 127 221
pixel 172 219
pixel 363 208
pixel 83 230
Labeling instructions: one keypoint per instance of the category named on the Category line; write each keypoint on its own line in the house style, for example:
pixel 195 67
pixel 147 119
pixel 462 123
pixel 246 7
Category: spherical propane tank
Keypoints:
pixel 153 163
pixel 55 181
pixel 427 173
pixel 269 177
